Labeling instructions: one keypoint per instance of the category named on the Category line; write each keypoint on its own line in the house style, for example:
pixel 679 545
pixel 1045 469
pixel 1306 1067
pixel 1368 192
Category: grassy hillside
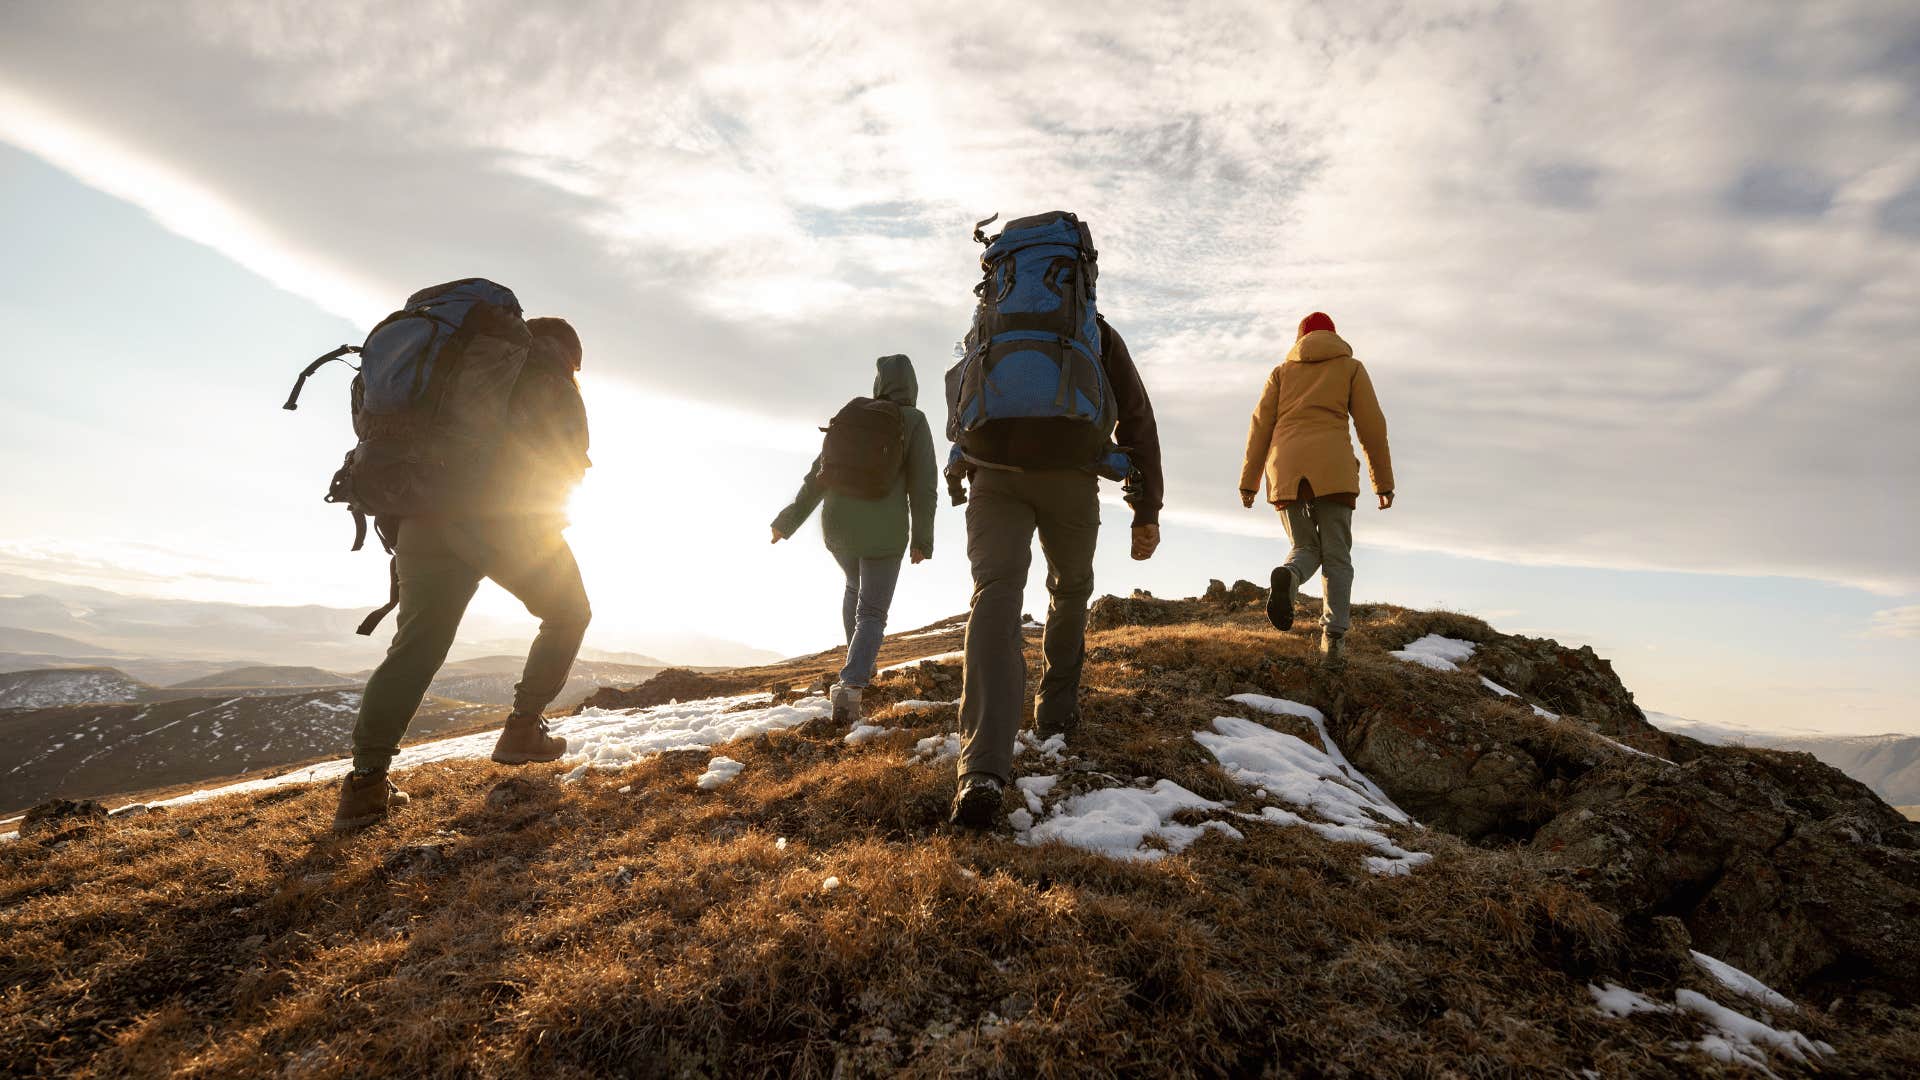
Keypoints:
pixel 815 917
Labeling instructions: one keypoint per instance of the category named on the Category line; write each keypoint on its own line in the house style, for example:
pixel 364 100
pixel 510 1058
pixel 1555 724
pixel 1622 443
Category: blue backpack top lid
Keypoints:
pixel 399 358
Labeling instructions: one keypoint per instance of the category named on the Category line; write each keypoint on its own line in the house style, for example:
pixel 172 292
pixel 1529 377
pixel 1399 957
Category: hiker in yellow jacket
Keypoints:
pixel 1298 440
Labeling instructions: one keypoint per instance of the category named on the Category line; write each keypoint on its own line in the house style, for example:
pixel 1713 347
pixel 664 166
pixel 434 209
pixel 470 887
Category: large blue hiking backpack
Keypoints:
pixel 430 405
pixel 1029 390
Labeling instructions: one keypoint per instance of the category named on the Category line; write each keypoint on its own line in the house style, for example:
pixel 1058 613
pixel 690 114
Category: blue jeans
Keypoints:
pixel 863 609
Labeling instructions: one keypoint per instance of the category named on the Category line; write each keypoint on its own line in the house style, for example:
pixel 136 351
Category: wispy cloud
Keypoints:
pixel 1634 281
pixel 1899 622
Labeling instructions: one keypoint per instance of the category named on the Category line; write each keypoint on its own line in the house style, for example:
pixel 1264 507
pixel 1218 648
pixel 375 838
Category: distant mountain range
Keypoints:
pixel 47 623
pixel 1889 764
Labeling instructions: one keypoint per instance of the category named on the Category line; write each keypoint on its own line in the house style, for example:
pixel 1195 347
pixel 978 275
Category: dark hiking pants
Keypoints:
pixel 441 563
pixel 1004 511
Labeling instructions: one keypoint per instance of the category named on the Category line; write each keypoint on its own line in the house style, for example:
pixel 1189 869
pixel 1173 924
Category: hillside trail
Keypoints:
pixel 1464 853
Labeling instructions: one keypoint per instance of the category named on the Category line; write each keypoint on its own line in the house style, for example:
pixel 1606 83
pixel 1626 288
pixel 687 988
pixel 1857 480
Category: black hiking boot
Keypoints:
pixel 1280 599
pixel 1051 722
pixel 977 801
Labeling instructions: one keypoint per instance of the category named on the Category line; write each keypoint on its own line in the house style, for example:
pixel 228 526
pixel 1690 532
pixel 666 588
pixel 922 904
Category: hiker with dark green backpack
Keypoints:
pixel 472 436
pixel 878 478
pixel 1044 402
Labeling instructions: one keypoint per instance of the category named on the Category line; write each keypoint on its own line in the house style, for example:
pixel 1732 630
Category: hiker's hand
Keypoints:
pixel 1386 500
pixel 920 556
pixel 1145 539
pixel 1247 497
pixel 778 535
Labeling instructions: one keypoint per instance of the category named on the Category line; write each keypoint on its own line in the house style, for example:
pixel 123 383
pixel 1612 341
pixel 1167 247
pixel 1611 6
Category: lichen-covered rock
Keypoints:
pixel 60 815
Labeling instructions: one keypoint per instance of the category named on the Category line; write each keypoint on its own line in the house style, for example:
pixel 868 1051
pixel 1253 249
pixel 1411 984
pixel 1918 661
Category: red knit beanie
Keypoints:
pixel 1316 321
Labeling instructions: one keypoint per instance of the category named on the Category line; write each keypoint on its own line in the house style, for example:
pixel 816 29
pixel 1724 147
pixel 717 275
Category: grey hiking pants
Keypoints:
pixel 441 562
pixel 1322 535
pixel 863 608
pixel 1003 512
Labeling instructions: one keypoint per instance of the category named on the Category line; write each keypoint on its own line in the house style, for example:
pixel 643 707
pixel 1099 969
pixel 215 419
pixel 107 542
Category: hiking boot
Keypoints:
pixel 977 801
pixel 1051 722
pixel 1333 648
pixel 526 739
pixel 1280 599
pixel 846 705
pixel 365 797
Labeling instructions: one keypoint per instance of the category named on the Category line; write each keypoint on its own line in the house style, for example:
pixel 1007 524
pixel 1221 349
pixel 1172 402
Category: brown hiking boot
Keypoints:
pixel 525 739
pixel 1333 649
pixel 365 797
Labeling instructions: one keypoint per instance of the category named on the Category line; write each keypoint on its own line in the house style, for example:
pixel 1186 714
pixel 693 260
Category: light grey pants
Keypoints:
pixel 863 608
pixel 1003 512
pixel 1322 535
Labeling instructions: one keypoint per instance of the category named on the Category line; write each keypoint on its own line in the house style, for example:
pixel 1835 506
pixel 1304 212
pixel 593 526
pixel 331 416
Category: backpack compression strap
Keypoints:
pixel 293 399
pixel 389 536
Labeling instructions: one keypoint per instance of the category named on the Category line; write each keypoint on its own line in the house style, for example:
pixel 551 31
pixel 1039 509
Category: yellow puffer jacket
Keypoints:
pixel 1299 430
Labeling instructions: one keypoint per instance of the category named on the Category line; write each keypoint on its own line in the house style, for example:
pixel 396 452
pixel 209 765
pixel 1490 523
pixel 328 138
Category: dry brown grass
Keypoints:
pixel 571 930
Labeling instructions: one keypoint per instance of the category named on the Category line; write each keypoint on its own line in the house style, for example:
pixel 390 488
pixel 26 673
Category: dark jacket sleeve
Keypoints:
pixel 923 483
pixel 795 515
pixel 1137 430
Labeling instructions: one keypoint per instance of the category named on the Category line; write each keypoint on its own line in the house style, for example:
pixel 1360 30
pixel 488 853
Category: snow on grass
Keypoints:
pixel 1496 687
pixel 1285 767
pixel 1436 652
pixel 1735 1038
pixel 920 703
pixel 864 733
pixel 1544 714
pixel 1052 748
pixel 1743 984
pixel 596 739
pixel 1117 821
pixel 935 748
pixel 1742 1040
pixel 1034 789
pixel 942 658
pixel 720 771
pixel 1619 1002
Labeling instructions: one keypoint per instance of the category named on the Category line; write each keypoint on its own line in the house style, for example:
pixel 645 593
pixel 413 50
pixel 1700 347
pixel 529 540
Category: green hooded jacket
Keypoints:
pixel 878 528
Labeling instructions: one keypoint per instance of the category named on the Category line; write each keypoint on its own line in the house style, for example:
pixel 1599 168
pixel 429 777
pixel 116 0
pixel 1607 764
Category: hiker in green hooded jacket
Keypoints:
pixel 868 535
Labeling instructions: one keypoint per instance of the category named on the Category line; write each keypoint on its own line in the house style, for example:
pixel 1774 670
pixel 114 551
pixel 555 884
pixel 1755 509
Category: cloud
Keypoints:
pixel 1634 282
pixel 1899 622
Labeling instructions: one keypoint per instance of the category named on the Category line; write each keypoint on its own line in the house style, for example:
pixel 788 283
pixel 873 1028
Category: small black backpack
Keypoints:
pixel 865 449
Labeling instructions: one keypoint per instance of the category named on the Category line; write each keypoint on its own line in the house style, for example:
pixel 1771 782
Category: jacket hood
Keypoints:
pixel 895 380
pixel 1317 346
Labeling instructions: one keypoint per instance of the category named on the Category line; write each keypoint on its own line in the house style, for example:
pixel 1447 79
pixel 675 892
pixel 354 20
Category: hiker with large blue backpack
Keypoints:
pixel 1043 402
pixel 472 435
pixel 878 477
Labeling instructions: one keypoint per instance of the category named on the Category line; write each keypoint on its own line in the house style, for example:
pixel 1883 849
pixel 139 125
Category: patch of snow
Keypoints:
pixel 1052 748
pixel 864 733
pixel 1743 984
pixel 1021 819
pixel 1436 652
pixel 596 738
pixel 1741 1039
pixel 1116 821
pixel 1035 788
pixel 830 884
pixel 918 703
pixel 942 658
pixel 1496 687
pixel 935 748
pixel 1736 1038
pixel 1544 714
pixel 780 844
pixel 1278 765
pixel 720 771
pixel 1619 1002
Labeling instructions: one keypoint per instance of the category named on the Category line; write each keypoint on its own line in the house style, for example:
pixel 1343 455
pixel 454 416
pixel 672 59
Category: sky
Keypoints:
pixel 1634 281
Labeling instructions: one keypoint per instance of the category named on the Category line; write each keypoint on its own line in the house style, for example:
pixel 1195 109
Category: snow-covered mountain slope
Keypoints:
pixel 68 686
